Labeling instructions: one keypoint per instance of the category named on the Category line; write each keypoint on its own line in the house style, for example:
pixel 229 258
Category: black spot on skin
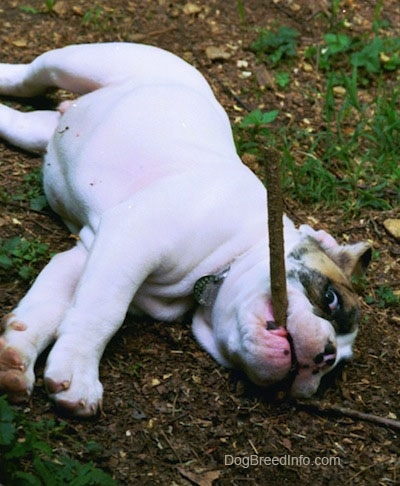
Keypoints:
pixel 271 325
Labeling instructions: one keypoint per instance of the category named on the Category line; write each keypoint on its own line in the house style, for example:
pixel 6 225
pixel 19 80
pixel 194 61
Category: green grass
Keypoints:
pixel 30 192
pixel 27 458
pixel 22 257
pixel 352 158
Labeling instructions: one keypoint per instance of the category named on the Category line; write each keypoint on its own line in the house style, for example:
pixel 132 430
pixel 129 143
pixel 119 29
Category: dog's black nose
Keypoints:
pixel 330 348
pixel 328 356
pixel 271 325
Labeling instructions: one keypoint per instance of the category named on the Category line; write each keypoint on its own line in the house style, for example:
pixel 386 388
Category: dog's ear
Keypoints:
pixel 326 240
pixel 353 259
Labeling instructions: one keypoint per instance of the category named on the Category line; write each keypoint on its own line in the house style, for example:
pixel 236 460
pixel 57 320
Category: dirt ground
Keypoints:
pixel 172 416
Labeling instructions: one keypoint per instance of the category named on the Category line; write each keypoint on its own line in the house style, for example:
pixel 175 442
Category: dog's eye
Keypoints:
pixel 332 300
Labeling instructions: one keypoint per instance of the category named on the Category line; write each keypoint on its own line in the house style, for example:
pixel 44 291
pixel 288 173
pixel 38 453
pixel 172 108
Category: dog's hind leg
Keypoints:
pixel 86 67
pixel 31 130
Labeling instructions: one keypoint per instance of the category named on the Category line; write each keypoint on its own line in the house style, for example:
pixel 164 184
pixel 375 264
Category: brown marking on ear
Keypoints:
pixel 353 260
pixel 321 262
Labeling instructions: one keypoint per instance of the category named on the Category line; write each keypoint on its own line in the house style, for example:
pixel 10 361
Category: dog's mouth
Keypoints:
pixel 295 364
pixel 272 326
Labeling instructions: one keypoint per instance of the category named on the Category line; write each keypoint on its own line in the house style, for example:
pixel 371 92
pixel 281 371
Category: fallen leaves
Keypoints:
pixel 202 478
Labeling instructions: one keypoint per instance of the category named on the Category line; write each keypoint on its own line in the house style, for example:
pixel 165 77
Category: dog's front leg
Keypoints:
pixel 125 251
pixel 32 326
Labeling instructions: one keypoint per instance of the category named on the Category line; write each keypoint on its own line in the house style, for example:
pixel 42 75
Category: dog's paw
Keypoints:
pixel 74 395
pixel 72 382
pixel 16 379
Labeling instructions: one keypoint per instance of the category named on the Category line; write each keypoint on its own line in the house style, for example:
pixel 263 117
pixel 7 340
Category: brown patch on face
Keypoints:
pixel 328 289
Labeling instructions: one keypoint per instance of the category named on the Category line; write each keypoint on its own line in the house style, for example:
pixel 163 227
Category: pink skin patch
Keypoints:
pixel 269 348
pixel 279 332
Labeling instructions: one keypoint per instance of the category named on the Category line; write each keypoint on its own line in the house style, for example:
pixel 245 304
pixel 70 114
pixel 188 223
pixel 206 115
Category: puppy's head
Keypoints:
pixel 321 320
pixel 321 273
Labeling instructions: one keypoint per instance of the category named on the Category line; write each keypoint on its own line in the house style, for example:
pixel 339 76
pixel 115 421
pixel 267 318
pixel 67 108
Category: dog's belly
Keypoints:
pixel 117 141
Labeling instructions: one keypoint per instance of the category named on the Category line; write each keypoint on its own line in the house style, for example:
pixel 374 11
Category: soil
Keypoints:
pixel 172 416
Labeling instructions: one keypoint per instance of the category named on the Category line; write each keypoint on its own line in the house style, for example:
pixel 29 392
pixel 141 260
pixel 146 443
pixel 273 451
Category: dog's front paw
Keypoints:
pixel 16 378
pixel 77 396
pixel 72 382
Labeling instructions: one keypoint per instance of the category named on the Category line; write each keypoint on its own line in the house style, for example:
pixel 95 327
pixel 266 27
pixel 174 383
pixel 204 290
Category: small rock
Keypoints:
pixel 217 53
pixel 339 91
pixel 61 8
pixel 191 9
pixel 392 226
pixel 307 68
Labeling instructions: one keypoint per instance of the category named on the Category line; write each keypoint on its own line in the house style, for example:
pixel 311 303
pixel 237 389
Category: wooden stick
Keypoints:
pixel 316 407
pixel 276 238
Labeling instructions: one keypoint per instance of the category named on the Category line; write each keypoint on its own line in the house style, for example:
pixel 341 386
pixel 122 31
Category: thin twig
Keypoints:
pixel 154 33
pixel 276 238
pixel 349 412
pixel 23 207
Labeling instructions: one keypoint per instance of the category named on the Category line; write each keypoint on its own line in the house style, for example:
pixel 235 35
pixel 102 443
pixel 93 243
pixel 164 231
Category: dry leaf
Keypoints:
pixel 201 479
pixel 264 78
pixel 20 43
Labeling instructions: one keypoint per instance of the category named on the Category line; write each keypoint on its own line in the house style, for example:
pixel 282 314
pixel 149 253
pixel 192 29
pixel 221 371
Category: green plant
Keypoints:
pixel 275 46
pixel 27 458
pixel 22 256
pixel 32 190
pixel 93 15
pixel 384 297
pixel 29 10
pixel 50 4
pixel 241 10
pixel 253 129
pixel 282 79
pixel 133 369
pixel 342 52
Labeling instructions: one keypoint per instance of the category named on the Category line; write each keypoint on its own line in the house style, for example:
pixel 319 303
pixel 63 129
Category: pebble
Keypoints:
pixel 392 226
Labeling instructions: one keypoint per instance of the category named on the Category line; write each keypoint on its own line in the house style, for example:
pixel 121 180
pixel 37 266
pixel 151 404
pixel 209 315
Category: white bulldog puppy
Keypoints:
pixel 143 167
